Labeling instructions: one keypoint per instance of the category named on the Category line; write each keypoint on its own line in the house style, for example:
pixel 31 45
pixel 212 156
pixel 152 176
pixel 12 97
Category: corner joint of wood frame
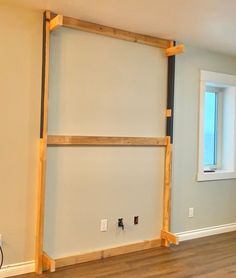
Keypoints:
pixel 169 238
pixel 56 22
pixel 48 263
pixel 174 50
pixel 48 15
pixel 168 140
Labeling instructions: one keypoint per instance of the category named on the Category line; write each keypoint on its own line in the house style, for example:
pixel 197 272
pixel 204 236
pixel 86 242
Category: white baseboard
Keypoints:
pixel 17 269
pixel 209 231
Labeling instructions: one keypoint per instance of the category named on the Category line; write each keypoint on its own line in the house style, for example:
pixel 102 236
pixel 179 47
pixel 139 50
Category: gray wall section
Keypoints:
pixel 87 184
pixel 213 201
pixel 104 86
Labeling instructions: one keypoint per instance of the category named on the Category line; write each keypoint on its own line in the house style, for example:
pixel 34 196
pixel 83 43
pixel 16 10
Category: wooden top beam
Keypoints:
pixel 114 32
pixel 54 140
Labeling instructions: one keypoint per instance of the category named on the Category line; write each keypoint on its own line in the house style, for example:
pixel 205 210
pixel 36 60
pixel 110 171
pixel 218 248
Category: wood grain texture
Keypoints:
pixel 174 50
pixel 54 140
pixel 171 44
pixel 168 113
pixel 77 259
pixel 167 190
pixel 48 263
pixel 111 252
pixel 40 211
pixel 171 238
pixel 213 256
pixel 147 244
pixel 51 24
pixel 114 32
pixel 43 149
pixel 56 22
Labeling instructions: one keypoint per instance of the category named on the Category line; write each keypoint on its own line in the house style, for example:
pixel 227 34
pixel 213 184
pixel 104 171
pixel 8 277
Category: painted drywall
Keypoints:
pixel 103 86
pixel 20 74
pixel 213 201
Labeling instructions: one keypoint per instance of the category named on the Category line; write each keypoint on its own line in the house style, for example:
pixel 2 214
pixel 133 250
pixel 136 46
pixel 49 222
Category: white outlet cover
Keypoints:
pixel 103 225
pixel 190 212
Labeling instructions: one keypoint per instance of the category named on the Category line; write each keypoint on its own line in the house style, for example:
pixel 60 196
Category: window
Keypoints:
pixel 217 127
pixel 210 130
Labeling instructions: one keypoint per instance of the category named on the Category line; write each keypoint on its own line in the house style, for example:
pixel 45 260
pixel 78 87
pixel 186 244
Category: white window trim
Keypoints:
pixel 219 80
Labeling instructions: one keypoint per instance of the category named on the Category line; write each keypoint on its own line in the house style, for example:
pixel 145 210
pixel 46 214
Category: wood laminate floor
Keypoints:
pixel 213 256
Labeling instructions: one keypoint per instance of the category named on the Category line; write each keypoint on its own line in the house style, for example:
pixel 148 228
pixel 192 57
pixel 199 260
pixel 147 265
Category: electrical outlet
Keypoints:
pixel 121 223
pixel 0 240
pixel 136 220
pixel 103 225
pixel 190 212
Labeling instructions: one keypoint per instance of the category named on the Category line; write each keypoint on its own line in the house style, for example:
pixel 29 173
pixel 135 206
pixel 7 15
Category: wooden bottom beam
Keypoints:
pixel 106 253
pixel 48 263
pixel 169 238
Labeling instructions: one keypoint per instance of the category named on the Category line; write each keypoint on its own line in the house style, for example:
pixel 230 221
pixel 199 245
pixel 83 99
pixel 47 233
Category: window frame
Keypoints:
pixel 221 84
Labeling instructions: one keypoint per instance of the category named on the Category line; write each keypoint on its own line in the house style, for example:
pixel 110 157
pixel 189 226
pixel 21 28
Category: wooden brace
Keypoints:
pixel 178 49
pixel 56 22
pixel 168 113
pixel 169 237
pixel 48 263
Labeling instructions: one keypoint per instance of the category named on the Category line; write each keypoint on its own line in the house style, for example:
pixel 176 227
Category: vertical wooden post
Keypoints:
pixel 43 145
pixel 167 190
pixel 168 153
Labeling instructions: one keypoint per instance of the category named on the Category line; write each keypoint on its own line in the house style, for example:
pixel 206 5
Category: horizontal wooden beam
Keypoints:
pixel 171 238
pixel 111 252
pixel 54 140
pixel 174 50
pixel 130 248
pixel 114 32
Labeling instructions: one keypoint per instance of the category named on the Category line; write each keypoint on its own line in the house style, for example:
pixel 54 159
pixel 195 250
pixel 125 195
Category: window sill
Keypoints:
pixel 217 175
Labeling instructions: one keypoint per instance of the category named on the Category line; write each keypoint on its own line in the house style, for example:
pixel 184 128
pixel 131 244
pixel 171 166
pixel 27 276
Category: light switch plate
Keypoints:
pixel 103 225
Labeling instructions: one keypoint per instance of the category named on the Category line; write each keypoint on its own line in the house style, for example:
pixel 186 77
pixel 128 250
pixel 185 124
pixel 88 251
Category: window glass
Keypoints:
pixel 210 130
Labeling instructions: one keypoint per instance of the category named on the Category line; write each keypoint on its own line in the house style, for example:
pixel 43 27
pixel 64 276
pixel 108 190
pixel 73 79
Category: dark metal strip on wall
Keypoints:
pixel 170 96
pixel 43 75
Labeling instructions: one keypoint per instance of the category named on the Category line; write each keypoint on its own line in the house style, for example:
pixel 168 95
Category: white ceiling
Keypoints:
pixel 209 24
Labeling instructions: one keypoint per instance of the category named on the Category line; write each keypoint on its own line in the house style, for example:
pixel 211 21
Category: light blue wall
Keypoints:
pixel 214 202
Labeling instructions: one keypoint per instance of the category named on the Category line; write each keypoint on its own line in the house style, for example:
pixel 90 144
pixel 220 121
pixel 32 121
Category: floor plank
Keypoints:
pixel 213 256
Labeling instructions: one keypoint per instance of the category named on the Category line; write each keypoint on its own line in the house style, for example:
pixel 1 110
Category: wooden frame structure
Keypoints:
pixel 51 22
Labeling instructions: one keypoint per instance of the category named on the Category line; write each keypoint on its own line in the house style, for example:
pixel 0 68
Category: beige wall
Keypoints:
pixel 20 74
pixel 103 86
pixel 213 201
